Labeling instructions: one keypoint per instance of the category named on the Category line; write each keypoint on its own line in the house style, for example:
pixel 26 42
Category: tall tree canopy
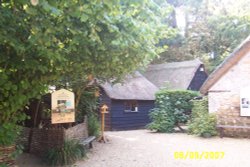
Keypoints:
pixel 44 40
pixel 212 30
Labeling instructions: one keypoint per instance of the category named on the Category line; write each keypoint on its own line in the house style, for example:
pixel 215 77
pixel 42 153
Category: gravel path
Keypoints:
pixel 141 148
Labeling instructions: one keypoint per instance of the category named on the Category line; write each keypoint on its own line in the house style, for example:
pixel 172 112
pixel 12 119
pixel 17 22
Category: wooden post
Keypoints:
pixel 103 124
pixel 104 109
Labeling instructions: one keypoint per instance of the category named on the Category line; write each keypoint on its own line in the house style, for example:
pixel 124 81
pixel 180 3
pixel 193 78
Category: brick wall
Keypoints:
pixel 224 98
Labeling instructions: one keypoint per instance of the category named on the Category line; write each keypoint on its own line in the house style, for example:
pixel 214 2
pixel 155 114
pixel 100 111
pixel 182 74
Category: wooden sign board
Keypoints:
pixel 62 106
pixel 245 102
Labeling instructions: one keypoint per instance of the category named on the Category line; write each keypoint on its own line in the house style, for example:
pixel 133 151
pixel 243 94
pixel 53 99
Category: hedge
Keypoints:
pixel 202 123
pixel 172 108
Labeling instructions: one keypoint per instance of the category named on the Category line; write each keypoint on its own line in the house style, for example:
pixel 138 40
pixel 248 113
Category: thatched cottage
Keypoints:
pixel 186 75
pixel 129 102
pixel 228 90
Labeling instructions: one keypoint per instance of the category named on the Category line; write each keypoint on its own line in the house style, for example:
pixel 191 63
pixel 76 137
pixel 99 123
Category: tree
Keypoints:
pixel 41 43
pixel 212 30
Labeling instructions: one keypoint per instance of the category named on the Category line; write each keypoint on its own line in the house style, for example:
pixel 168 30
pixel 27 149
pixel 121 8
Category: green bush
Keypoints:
pixel 88 104
pixel 202 123
pixel 172 108
pixel 93 125
pixel 67 155
pixel 8 134
pixel 162 121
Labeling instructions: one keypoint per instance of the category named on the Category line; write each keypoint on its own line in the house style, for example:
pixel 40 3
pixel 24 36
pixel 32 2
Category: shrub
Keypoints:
pixel 88 104
pixel 93 125
pixel 8 134
pixel 162 121
pixel 67 155
pixel 172 108
pixel 202 123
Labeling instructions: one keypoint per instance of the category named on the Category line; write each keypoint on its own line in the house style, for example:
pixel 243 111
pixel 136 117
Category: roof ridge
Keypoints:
pixel 226 65
pixel 183 64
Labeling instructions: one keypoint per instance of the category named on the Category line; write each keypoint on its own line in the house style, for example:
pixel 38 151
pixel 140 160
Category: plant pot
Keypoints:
pixel 6 155
pixel 206 135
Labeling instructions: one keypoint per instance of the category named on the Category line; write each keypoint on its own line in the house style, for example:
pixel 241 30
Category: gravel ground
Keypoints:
pixel 142 148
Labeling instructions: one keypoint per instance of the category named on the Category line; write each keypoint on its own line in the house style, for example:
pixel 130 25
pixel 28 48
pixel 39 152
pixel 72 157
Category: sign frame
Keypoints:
pixel 62 106
pixel 245 102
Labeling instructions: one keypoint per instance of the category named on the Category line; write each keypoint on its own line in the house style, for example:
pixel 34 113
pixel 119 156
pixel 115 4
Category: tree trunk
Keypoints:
pixel 34 125
pixel 36 113
pixel 79 92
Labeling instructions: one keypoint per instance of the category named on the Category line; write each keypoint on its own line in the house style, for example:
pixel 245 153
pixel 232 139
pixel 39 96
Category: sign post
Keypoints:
pixel 62 106
pixel 104 111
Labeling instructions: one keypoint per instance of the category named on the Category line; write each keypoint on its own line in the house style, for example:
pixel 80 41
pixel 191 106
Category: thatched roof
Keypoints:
pixel 176 75
pixel 226 65
pixel 135 87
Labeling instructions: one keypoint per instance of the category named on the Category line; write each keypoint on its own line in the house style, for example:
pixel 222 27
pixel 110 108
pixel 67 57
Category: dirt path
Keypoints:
pixel 142 148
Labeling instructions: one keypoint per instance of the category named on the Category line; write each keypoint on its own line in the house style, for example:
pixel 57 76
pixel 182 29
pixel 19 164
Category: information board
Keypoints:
pixel 62 106
pixel 245 102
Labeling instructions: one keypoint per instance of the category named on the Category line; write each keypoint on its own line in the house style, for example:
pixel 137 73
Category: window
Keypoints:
pixel 131 106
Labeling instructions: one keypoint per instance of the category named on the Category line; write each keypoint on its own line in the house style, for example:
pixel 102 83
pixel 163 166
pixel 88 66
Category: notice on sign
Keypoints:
pixel 62 106
pixel 245 102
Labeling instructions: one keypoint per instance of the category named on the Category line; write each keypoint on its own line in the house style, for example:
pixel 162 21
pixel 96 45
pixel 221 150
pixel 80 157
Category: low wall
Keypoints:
pixel 77 132
pixel 231 117
pixel 44 139
pixel 37 141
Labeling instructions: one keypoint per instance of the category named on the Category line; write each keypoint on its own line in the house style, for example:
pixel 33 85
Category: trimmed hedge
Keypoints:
pixel 202 123
pixel 172 108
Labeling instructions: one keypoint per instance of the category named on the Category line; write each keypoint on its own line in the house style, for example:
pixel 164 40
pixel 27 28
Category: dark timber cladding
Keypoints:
pixel 129 102
pixel 122 120
pixel 199 78
pixel 104 99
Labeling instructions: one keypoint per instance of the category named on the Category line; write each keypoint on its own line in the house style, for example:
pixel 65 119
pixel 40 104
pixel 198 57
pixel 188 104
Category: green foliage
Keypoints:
pixel 41 44
pixel 18 151
pixel 162 121
pixel 67 155
pixel 8 134
pixel 212 30
pixel 88 103
pixel 93 125
pixel 202 123
pixel 172 107
pixel 88 106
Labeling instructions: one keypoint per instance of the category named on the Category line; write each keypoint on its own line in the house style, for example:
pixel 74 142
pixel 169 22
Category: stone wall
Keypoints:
pixel 77 132
pixel 224 98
